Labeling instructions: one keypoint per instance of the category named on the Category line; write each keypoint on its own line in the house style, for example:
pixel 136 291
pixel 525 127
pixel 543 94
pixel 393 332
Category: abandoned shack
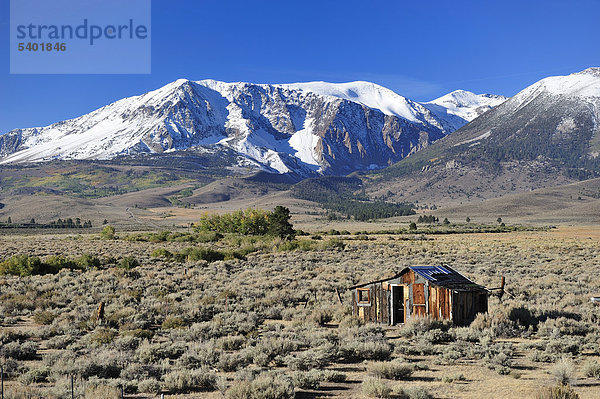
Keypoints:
pixel 438 291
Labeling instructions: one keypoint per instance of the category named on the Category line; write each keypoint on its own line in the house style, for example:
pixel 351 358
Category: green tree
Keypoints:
pixel 468 219
pixel 249 222
pixel 108 233
pixel 128 263
pixel 9 221
pixel 499 220
pixel 412 226
pixel 446 221
pixel 279 223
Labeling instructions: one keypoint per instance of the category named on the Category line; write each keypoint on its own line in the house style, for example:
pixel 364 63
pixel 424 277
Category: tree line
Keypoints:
pixel 346 197
pixel 55 224
pixel 250 222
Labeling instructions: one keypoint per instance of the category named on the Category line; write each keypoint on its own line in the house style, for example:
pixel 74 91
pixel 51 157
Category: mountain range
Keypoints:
pixel 304 129
pixel 463 147
pixel 546 135
pixel 184 144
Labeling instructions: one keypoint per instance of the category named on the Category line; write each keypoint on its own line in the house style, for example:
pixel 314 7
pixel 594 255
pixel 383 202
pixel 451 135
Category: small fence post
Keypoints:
pixel 339 296
pixel 2 382
pixel 72 388
pixel 122 392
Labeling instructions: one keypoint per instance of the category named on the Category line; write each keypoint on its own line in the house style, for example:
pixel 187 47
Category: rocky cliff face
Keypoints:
pixel 280 128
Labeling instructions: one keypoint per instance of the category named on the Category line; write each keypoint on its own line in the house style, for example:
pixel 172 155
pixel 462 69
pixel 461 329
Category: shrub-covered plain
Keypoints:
pixel 181 319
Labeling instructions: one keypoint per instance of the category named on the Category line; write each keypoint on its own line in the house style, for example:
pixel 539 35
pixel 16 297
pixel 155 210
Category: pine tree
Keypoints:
pixel 279 223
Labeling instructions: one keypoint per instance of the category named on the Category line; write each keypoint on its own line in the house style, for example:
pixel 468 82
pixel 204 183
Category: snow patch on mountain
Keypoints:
pixel 305 143
pixel 370 95
pixel 478 138
pixel 460 107
pixel 580 84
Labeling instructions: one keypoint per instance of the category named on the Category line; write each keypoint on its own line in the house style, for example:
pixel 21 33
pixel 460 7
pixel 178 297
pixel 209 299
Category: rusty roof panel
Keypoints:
pixel 445 276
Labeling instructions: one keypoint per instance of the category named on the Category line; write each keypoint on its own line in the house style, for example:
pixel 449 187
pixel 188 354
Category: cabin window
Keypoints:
pixel 364 296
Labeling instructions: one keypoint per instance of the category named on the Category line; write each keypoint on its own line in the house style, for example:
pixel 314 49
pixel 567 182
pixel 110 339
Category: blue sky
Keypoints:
pixel 419 49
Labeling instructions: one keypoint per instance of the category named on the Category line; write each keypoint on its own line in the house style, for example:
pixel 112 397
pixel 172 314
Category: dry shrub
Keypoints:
pixel 44 317
pixel 558 392
pixel 239 390
pixel 103 336
pixel 172 322
pixel 412 393
pixel 264 386
pixel 376 388
pixel 321 316
pixel 20 351
pixel 307 379
pixel 190 380
pixel 102 392
pixel 365 343
pixel 234 361
pixel 497 323
pixel 592 369
pixel 393 370
pixel 333 376
pixel 19 392
pixel 421 324
pixel 312 358
pixel 232 342
pixel 149 385
pixel 35 375
pixel 563 371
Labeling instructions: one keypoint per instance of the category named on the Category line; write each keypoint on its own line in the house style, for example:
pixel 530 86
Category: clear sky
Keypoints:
pixel 420 49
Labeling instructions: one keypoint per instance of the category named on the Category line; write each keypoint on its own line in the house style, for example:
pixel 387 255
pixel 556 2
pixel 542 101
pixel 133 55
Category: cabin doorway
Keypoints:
pixel 397 305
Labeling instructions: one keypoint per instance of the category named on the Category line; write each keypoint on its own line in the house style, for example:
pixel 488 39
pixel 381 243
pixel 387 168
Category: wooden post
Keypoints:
pixel 2 382
pixel 338 295
pixel 72 390
pixel 100 312
pixel 502 281
pixel 122 392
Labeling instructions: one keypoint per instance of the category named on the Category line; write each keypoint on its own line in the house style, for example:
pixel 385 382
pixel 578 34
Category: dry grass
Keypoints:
pixel 238 324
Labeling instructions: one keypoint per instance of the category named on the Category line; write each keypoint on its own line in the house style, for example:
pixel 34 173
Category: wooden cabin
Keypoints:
pixel 438 291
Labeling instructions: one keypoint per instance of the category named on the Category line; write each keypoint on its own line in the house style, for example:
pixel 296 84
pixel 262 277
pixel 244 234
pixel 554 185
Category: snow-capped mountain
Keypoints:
pixel 556 118
pixel 460 107
pixel 304 128
pixel 547 134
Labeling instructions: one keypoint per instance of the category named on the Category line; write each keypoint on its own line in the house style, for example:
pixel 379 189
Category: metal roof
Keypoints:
pixel 443 276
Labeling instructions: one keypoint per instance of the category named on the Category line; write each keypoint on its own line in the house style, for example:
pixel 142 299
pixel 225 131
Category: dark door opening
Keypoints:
pixel 397 304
